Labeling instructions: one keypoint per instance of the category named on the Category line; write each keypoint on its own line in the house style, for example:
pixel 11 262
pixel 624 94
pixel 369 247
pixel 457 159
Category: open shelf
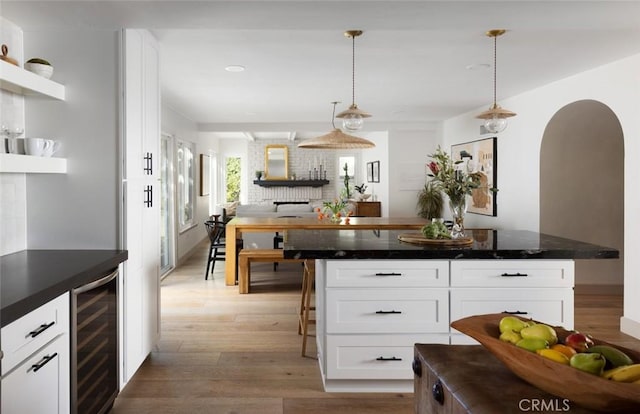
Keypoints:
pixel 17 80
pixel 291 183
pixel 16 163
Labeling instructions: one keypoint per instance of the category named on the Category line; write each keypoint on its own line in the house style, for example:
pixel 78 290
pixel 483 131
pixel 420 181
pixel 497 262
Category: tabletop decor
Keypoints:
pixel 582 388
pixel 335 210
pixel 456 182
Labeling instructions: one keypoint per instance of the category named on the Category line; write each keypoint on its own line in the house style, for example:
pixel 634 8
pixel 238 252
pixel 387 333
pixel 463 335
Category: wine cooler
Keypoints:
pixel 94 346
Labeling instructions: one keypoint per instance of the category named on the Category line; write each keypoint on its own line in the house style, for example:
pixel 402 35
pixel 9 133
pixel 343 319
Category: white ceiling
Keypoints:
pixel 411 62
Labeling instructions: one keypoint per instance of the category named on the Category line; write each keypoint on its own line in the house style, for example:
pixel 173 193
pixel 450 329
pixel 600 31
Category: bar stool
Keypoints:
pixel 308 279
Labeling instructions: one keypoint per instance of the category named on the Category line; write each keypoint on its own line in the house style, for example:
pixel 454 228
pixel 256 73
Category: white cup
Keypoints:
pixel 16 145
pixel 36 146
pixel 52 148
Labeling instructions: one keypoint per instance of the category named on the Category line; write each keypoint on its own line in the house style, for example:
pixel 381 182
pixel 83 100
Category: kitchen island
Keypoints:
pixel 377 296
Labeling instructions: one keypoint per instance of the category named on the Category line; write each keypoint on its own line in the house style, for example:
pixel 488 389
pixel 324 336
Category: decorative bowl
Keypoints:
pixel 46 71
pixel 584 389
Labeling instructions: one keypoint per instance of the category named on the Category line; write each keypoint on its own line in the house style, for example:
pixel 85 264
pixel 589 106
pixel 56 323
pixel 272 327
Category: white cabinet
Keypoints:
pixel 35 370
pixel 141 194
pixel 370 313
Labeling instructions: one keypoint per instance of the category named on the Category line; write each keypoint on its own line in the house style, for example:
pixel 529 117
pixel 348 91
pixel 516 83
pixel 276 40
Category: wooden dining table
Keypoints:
pixel 239 225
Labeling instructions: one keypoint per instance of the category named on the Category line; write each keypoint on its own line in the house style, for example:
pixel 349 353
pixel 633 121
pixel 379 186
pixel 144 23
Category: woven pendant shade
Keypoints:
pixel 336 139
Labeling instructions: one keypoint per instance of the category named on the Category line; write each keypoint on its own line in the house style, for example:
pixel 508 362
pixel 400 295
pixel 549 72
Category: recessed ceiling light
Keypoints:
pixel 234 68
pixel 478 66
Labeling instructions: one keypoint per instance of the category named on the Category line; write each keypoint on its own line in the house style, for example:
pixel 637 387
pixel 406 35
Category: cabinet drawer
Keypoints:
pixel 416 310
pixel 552 305
pixel 387 273
pixel 374 356
pixel 512 273
pixel 26 335
pixel 44 390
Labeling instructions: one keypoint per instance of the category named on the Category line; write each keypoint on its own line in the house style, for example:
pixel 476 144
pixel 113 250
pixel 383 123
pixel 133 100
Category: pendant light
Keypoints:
pixel 495 117
pixel 352 118
pixel 336 139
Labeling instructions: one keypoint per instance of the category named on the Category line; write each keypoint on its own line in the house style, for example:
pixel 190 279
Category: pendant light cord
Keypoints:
pixel 333 116
pixel 495 68
pixel 353 70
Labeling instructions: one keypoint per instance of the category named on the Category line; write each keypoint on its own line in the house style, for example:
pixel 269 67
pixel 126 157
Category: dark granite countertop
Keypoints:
pixel 487 244
pixel 31 278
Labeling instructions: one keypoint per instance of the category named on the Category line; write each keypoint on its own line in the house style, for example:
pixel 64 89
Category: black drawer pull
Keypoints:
pixel 44 362
pixel 388 359
pixel 389 274
pixel 382 312
pixel 514 274
pixel 417 367
pixel 41 329
pixel 516 312
pixel 438 392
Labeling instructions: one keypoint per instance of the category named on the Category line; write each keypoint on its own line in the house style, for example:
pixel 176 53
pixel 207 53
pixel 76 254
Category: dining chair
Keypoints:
pixel 217 243
pixel 278 239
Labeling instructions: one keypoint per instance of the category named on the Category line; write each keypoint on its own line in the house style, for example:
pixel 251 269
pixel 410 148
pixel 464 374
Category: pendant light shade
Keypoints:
pixel 353 118
pixel 495 117
pixel 336 139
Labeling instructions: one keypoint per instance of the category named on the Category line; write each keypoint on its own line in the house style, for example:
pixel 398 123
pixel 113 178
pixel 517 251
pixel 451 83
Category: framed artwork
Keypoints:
pixel 375 173
pixel 204 174
pixel 369 172
pixel 480 156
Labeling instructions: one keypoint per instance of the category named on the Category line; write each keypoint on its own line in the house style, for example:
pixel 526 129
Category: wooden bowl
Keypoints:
pixel 582 388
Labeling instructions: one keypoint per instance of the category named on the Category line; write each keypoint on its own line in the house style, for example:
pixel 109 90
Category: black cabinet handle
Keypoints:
pixel 417 367
pixel 388 359
pixel 382 312
pixel 514 274
pixel 40 329
pixel 148 196
pixel 43 362
pixel 148 158
pixel 516 312
pixel 389 274
pixel 438 392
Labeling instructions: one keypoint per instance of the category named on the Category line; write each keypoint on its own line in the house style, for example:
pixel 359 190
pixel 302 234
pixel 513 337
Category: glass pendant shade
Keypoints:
pixel 352 122
pixel 495 124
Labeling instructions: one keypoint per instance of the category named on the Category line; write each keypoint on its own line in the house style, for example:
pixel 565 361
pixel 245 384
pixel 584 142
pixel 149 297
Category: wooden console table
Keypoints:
pixel 238 225
pixel 368 208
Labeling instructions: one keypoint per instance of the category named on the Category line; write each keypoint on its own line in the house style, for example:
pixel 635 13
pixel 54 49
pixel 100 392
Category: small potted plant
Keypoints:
pixel 361 192
pixel 258 175
pixel 40 67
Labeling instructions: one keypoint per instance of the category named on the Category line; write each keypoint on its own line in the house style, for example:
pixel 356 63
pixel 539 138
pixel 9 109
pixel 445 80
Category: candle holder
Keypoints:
pixel 309 174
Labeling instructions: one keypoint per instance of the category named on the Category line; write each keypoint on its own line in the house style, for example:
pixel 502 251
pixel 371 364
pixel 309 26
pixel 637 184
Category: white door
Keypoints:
pixel 141 189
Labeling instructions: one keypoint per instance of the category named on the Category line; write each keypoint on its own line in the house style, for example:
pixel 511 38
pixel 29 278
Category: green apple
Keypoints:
pixel 540 331
pixel 591 363
pixel 510 336
pixel 511 323
pixel 532 344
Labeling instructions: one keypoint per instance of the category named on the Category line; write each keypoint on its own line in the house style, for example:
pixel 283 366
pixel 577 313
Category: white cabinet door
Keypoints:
pixel 40 385
pixel 141 189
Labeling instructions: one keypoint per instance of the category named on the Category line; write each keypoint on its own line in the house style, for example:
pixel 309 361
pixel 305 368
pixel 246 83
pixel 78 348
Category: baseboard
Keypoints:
pixel 630 327
pixel 599 290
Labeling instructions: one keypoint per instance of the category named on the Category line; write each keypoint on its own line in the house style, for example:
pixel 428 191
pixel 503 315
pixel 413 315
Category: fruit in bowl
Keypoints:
pixel 40 67
pixel 578 341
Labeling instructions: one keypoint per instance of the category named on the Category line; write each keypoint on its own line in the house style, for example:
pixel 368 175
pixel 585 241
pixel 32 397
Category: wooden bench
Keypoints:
pixel 248 256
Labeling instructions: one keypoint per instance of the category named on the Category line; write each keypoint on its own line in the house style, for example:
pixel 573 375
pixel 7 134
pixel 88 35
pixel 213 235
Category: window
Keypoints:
pixel 232 179
pixel 186 184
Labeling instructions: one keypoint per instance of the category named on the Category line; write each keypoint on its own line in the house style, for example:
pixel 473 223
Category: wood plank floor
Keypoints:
pixel 222 352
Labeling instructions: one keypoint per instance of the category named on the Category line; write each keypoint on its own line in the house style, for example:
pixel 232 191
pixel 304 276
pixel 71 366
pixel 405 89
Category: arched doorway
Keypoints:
pixel 582 185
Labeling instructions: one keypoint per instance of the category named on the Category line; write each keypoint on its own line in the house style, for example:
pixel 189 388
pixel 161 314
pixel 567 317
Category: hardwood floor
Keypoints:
pixel 222 352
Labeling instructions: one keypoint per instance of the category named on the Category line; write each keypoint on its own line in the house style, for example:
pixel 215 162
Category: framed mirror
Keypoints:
pixel 276 161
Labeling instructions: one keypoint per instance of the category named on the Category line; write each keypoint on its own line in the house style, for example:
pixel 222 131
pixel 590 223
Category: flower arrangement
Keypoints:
pixel 333 209
pixel 360 188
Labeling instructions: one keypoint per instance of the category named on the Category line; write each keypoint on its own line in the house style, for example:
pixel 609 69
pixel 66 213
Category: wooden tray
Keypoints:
pixel 418 238
pixel 582 388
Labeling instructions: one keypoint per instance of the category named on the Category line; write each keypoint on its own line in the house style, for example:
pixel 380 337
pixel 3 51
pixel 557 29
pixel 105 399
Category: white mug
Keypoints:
pixel 53 147
pixel 16 145
pixel 37 146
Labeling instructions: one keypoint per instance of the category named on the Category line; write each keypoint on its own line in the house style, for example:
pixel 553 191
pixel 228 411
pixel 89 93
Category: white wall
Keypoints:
pixel 78 209
pixel 616 85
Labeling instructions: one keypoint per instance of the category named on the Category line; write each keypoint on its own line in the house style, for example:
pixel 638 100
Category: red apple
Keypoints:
pixel 578 341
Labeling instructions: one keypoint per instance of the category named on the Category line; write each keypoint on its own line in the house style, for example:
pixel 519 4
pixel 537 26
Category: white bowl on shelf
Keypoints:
pixel 46 71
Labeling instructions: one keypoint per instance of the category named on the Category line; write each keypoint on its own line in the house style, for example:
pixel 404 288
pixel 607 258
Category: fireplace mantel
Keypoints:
pixel 291 183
